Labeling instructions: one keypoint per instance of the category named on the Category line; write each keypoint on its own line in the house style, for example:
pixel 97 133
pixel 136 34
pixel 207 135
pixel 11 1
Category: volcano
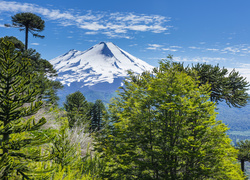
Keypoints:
pixel 101 68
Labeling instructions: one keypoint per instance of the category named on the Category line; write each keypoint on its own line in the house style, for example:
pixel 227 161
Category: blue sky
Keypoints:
pixel 215 31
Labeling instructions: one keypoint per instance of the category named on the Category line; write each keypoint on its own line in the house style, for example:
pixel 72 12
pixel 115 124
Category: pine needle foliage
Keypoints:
pixel 20 136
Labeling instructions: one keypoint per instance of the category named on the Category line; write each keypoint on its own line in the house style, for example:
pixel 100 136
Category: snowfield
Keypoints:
pixel 101 63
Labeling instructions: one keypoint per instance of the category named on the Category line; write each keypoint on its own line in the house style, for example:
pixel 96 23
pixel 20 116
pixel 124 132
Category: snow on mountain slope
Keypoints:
pixel 102 63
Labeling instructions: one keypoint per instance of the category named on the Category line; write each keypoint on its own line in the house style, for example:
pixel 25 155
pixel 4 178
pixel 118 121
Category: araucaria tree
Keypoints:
pixel 244 152
pixel 19 138
pixel 77 108
pixel 229 87
pixel 28 22
pixel 42 68
pixel 162 126
pixel 97 113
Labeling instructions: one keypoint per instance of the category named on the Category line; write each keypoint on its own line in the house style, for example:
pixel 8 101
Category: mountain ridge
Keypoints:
pixel 101 63
pixel 98 70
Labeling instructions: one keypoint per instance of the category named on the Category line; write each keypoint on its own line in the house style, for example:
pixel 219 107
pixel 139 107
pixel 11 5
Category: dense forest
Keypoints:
pixel 161 125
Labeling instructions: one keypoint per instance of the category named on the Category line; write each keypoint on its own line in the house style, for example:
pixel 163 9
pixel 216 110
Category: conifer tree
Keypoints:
pixel 20 136
pixel 28 22
pixel 77 108
pixel 162 126
pixel 43 69
pixel 97 115
pixel 17 43
pixel 244 152
pixel 66 152
pixel 226 86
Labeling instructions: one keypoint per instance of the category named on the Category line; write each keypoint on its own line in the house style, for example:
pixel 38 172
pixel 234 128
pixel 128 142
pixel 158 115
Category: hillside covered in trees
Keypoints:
pixel 161 125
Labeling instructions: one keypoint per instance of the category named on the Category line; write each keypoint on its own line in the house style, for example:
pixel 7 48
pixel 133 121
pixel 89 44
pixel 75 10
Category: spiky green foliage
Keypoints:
pixel 244 152
pixel 45 72
pixel 162 126
pixel 17 43
pixel 97 112
pixel 93 165
pixel 20 136
pixel 65 150
pixel 72 148
pixel 43 69
pixel 226 86
pixel 30 23
pixel 78 109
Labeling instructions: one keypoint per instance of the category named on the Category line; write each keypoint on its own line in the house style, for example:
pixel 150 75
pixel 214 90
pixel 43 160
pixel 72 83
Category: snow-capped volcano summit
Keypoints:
pixel 97 72
pixel 102 63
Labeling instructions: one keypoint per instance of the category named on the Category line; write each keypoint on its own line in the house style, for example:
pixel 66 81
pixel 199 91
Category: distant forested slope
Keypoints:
pixel 237 119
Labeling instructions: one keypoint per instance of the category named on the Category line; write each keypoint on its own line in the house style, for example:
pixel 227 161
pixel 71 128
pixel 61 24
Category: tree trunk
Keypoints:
pixel 26 37
pixel 242 162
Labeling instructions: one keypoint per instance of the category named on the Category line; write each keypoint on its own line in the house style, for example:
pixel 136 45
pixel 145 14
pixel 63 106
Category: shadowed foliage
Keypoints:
pixel 226 86
pixel 20 136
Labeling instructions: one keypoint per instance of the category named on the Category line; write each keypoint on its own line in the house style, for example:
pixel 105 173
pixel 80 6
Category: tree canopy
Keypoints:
pixel 162 126
pixel 77 108
pixel 97 115
pixel 30 23
pixel 226 86
pixel 17 43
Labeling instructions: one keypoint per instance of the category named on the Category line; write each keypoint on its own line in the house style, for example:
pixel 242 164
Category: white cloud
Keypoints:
pixel 35 44
pixel 91 40
pixel 114 35
pixel 239 49
pixel 95 26
pixel 161 47
pixel 154 46
pixel 194 47
pixel 199 59
pixel 212 49
pixel 131 45
pixel 138 27
pixel 169 49
pixel 232 50
pixel 176 47
pixel 111 24
pixel 172 48
pixel 91 32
